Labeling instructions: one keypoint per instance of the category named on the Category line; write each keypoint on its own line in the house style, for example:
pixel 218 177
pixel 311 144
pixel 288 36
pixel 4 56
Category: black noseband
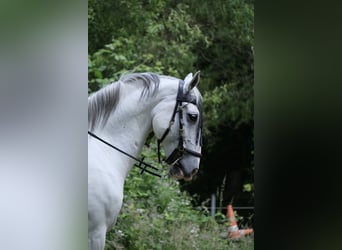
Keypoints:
pixel 178 153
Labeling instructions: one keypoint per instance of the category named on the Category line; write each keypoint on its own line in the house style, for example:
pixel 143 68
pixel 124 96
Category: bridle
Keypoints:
pixel 180 150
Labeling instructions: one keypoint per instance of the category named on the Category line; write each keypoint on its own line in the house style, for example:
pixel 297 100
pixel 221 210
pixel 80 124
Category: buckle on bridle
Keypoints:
pixel 175 156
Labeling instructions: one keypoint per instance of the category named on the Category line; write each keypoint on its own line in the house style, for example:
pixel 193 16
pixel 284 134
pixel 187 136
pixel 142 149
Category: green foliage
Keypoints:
pixel 161 41
pixel 157 215
pixel 230 28
pixel 229 104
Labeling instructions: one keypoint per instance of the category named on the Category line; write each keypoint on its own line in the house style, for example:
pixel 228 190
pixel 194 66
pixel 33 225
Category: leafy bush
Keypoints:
pixel 161 41
pixel 157 215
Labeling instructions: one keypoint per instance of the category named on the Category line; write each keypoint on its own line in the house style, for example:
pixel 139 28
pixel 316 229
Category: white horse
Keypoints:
pixel 123 114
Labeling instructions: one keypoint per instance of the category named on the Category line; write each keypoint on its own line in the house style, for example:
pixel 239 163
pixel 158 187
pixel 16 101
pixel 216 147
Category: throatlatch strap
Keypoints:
pixel 172 120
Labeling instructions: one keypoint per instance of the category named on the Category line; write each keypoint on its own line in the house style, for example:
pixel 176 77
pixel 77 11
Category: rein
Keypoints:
pixel 178 152
pixel 141 162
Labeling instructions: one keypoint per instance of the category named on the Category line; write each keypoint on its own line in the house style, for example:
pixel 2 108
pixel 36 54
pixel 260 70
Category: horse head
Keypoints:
pixel 177 123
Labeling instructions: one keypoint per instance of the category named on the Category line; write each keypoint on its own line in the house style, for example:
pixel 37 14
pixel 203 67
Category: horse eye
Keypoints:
pixel 193 117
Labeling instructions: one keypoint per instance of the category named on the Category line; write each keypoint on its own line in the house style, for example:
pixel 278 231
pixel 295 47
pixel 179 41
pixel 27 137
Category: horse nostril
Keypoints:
pixel 194 171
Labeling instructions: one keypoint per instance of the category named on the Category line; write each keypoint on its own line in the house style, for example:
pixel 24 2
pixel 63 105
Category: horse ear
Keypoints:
pixel 191 81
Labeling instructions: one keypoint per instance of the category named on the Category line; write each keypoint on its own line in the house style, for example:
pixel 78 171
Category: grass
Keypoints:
pixel 176 236
pixel 157 215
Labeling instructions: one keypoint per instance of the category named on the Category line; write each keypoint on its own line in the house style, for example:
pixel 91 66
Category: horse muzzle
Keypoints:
pixel 184 169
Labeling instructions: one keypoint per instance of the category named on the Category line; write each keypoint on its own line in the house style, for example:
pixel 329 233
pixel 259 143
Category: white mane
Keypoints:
pixel 103 102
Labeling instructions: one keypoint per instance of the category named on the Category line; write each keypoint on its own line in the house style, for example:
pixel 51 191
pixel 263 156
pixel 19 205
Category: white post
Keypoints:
pixel 213 205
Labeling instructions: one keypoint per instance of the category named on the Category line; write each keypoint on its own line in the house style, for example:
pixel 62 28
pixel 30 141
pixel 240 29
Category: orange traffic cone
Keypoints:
pixel 233 229
pixel 246 231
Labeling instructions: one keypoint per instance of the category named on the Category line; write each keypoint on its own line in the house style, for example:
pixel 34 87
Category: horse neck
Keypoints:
pixel 129 126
